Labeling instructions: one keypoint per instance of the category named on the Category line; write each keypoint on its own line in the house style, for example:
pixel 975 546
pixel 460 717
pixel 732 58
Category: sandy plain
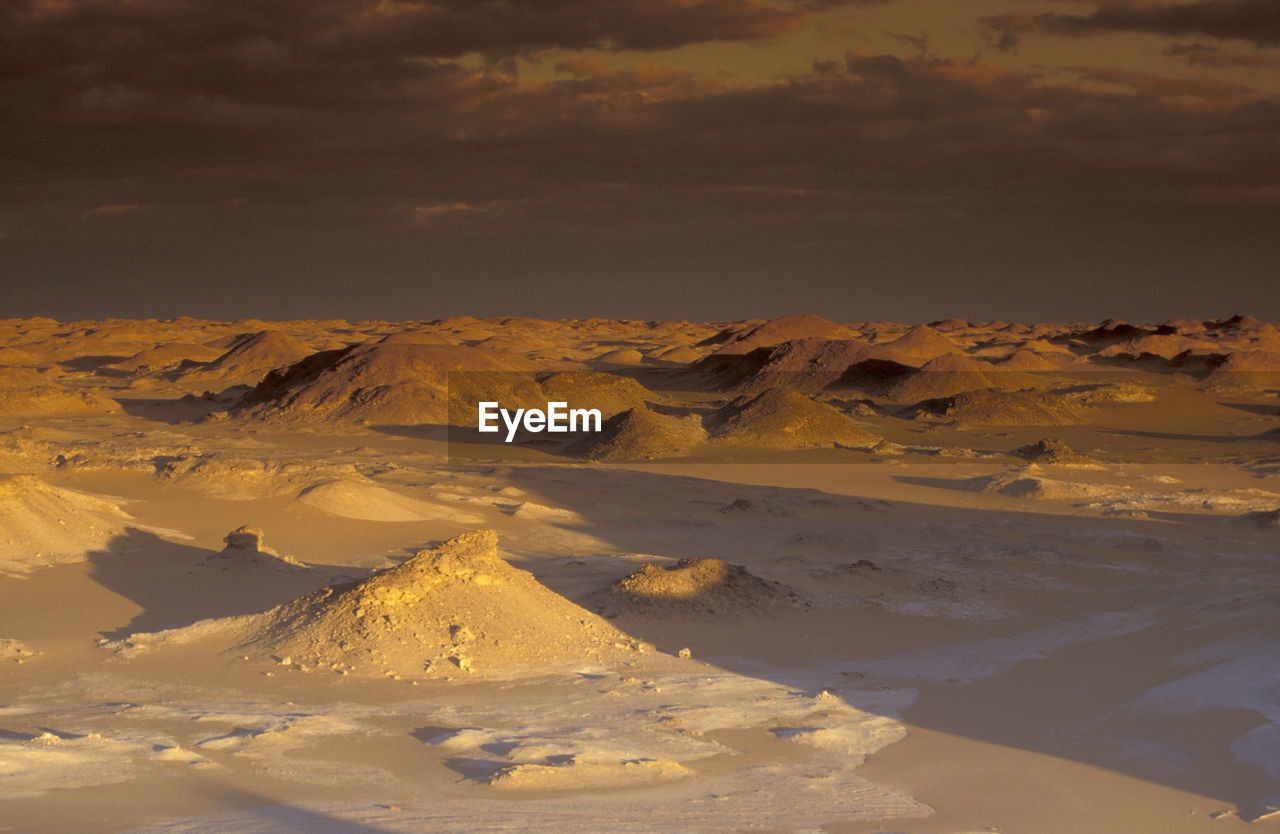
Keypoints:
pixel 815 576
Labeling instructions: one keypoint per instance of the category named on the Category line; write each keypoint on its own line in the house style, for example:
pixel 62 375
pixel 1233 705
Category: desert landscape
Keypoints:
pixel 811 575
pixel 843 416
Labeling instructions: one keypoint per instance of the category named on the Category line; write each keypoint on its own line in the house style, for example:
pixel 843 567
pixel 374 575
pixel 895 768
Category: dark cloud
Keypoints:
pixel 325 155
pixel 1208 55
pixel 1257 21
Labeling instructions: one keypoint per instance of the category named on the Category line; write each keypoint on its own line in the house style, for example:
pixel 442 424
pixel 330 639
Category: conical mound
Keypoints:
pixel 641 434
pixel 785 419
pixel 610 393
pixel 785 329
pixel 1246 370
pixel 393 381
pixel 455 607
pixel 991 407
pixel 249 359
pixel 1050 451
pixel 697 587
pixel 920 344
pixel 802 364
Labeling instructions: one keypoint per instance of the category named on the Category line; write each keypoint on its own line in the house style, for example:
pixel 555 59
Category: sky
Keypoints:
pixel 1029 160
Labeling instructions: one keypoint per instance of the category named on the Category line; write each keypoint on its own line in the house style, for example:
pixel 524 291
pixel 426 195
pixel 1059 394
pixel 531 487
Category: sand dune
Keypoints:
pixel 41 524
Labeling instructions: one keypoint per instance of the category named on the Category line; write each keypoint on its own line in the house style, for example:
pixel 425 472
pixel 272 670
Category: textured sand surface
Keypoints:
pixel 813 576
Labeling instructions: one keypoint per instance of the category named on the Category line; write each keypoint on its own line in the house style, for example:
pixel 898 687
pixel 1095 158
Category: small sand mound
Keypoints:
pixel 578 773
pixel 248 360
pixel 53 401
pixel 621 356
pixel 801 364
pixel 1106 393
pixel 1246 370
pixel 920 344
pixel 166 358
pixel 991 407
pixel 246 552
pixel 785 329
pixel 610 393
pixel 698 587
pixel 681 355
pixel 1029 361
pixel 241 479
pixel 43 525
pixel 366 501
pixel 785 419
pixel 455 607
pixel 266 349
pixel 642 434
pixel 948 375
pixel 1050 452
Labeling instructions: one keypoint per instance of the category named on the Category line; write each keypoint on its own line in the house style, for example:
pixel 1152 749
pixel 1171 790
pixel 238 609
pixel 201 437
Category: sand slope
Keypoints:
pixel 41 524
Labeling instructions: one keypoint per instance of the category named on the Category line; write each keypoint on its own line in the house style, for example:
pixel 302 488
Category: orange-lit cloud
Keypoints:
pixel 289 142
pixel 1251 20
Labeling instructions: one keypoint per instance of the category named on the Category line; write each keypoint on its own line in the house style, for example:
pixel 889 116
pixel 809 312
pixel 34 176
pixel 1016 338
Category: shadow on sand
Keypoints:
pixel 1034 705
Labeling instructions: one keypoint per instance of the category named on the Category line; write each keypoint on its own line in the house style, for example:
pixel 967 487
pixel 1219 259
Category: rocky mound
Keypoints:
pixel 786 419
pixel 1024 360
pixel 679 355
pixel 42 525
pixel 233 478
pixel 697 587
pixel 992 407
pixel 948 375
pixel 389 382
pixel 1054 452
pixel 918 345
pixel 249 359
pixel 785 329
pixel 803 365
pixel 642 434
pixel 1110 332
pixel 873 376
pixel 1240 323
pixel 455 607
pixel 171 357
pixel 247 552
pixel 1105 393
pixel 1246 370
pixel 1159 346
pixel 1023 485
pixel 610 393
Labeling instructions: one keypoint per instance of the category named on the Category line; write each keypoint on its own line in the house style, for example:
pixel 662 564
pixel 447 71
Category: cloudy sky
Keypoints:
pixel 712 159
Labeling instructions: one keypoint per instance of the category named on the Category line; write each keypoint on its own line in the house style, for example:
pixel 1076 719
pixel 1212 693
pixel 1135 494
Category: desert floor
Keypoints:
pixel 935 633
